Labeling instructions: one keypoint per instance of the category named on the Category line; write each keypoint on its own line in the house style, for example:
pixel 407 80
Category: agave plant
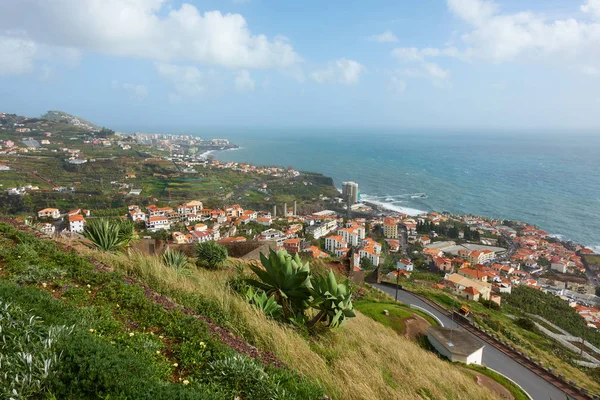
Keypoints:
pixel 175 259
pixel 109 234
pixel 285 279
pixel 211 254
pixel 260 300
pixel 332 299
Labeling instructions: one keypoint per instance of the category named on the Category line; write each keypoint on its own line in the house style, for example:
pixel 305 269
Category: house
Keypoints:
pixel 390 228
pixel 233 239
pixel 4 167
pixel 471 293
pixel 559 266
pixel 424 240
pixel 457 345
pixel 460 283
pixel 157 222
pixel 370 254
pixel 292 246
pixel 76 223
pixel 443 264
pixel 180 238
pixel 137 215
pixel 272 234
pixel 315 252
pixel 334 242
pixel 192 207
pixel 394 275
pixel 341 252
pixel 48 228
pixel 266 221
pixel 404 265
pixel 473 274
pixel 480 256
pixel 432 252
pixel 352 235
pixel 49 212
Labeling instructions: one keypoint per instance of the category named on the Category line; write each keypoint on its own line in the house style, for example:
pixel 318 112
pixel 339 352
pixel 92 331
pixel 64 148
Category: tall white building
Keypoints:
pixel 350 192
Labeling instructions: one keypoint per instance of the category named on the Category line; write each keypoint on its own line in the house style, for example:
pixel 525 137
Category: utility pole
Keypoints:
pixel 397 281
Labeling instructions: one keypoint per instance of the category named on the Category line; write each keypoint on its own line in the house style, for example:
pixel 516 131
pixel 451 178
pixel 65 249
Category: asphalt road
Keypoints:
pixel 537 387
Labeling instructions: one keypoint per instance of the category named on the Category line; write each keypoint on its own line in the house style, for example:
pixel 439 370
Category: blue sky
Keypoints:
pixel 171 65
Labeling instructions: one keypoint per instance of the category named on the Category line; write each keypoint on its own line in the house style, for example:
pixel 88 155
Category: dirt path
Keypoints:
pixel 491 384
pixel 415 326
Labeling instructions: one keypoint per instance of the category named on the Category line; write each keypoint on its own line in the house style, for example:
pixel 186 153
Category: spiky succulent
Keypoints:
pixel 286 279
pixel 109 234
pixel 332 299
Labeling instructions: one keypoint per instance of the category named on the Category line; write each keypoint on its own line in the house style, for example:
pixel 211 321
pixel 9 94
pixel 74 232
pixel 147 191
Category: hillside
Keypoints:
pixel 125 325
pixel 61 116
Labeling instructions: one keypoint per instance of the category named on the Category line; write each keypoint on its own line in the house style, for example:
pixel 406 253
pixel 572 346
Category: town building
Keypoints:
pixel 390 228
pixel 350 192
pixel 158 222
pixel 76 223
pixel 49 213
pixel 457 345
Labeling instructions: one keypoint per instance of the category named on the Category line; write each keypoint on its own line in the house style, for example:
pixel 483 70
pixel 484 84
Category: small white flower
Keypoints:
pixel 157 351
pixel 186 382
pixel 92 330
pixel 131 334
pixel 44 284
pixel 161 337
pixel 175 365
pixel 89 286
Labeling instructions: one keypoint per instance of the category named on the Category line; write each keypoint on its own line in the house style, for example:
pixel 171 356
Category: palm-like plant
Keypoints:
pixel 175 259
pixel 332 299
pixel 211 254
pixel 109 234
pixel 285 279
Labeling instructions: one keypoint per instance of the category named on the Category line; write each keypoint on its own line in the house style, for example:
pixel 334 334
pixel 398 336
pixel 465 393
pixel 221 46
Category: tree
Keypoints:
pixel 109 234
pixel 211 254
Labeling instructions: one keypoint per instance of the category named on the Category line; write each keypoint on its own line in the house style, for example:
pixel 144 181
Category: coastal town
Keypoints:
pixel 59 177
pixel 393 245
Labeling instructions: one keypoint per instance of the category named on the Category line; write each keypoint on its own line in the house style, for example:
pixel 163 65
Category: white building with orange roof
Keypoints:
pixel 480 256
pixel 158 222
pixel 76 223
pixel 335 242
pixel 49 213
pixel 137 215
pixel 341 252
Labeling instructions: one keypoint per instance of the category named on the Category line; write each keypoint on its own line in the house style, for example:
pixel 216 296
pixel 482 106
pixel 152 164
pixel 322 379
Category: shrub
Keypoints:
pixel 109 234
pixel 175 259
pixel 526 323
pixel 211 254
pixel 28 355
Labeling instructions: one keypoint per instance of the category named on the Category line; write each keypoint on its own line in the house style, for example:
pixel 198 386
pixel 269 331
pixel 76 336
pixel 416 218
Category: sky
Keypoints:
pixel 168 65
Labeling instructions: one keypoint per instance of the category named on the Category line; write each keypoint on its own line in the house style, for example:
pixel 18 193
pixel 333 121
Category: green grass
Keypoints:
pixel 123 344
pixel 375 311
pixel 515 390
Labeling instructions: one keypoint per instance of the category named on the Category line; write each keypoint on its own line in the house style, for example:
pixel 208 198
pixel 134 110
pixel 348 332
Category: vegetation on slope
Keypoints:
pixel 129 340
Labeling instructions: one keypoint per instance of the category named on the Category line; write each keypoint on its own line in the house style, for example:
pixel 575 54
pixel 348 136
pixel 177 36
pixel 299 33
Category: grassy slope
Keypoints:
pixel 537 346
pixel 395 318
pixel 363 360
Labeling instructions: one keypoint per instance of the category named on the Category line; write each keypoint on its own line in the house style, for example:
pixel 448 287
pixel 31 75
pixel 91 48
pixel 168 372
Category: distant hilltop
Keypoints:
pixel 61 116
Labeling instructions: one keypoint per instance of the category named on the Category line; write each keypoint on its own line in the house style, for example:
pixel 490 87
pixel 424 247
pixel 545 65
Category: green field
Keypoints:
pixel 394 320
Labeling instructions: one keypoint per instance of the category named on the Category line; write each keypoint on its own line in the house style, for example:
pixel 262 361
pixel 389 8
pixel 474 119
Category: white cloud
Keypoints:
pixel 398 85
pixel 243 81
pixel 149 29
pixel 343 71
pixel 385 37
pixel 136 92
pixel 592 7
pixel 526 36
pixel 18 56
pixel 590 70
pixel 188 81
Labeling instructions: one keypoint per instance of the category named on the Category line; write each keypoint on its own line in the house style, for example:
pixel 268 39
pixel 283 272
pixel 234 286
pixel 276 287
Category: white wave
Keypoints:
pixel 557 236
pixel 392 206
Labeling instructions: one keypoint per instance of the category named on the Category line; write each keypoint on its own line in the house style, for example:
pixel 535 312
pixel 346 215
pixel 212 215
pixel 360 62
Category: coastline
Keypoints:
pixel 392 207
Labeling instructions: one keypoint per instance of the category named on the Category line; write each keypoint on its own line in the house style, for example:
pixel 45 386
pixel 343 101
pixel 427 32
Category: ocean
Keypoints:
pixel 551 180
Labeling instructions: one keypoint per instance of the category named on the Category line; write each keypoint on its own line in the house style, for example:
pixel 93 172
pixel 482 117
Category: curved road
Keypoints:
pixel 537 387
